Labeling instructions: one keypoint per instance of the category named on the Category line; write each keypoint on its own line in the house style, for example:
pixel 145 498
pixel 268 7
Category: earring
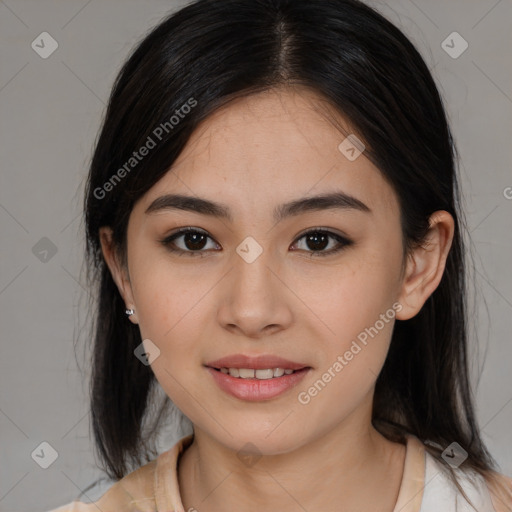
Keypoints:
pixel 129 312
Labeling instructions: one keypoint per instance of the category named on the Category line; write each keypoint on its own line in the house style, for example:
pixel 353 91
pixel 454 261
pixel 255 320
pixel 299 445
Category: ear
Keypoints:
pixel 425 265
pixel 119 272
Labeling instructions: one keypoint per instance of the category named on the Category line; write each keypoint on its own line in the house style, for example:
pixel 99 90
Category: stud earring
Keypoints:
pixel 130 312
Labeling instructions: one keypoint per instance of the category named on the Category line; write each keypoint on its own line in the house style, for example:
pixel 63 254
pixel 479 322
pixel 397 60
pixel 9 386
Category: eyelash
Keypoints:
pixel 342 242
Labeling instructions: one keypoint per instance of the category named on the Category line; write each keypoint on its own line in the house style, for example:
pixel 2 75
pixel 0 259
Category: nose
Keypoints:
pixel 254 299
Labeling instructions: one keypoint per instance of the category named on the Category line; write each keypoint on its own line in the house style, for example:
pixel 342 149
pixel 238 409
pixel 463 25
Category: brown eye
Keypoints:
pixel 316 241
pixel 194 241
pixel 191 241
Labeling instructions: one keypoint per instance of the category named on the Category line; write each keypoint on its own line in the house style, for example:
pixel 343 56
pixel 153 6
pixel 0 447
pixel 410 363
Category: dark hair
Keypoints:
pixel 364 68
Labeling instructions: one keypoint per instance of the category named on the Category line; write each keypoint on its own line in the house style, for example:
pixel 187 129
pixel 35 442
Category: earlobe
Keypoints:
pixel 118 272
pixel 425 265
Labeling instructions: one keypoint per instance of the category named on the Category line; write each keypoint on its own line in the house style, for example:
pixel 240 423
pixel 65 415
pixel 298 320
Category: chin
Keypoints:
pixel 262 441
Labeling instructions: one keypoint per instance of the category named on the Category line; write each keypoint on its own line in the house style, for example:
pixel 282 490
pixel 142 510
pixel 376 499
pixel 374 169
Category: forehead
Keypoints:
pixel 271 147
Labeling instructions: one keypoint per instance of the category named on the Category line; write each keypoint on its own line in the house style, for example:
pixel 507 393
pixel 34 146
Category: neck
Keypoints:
pixel 340 467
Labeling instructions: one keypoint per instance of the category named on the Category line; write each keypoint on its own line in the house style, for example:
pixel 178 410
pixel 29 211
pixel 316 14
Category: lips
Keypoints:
pixel 255 378
pixel 254 389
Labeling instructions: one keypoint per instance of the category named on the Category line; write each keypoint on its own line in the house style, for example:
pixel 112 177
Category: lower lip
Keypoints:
pixel 254 390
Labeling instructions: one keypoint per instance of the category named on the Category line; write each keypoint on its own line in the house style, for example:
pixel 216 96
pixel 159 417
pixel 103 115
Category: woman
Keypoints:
pixel 272 211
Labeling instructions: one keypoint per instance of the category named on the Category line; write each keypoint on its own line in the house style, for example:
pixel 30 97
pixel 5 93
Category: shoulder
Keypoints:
pixel 150 488
pixel 500 488
pixel 133 493
pixel 493 494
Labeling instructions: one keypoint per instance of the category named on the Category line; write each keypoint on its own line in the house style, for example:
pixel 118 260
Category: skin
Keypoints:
pixel 253 155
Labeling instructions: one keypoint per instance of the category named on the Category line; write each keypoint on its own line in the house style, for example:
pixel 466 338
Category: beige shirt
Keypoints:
pixel 425 487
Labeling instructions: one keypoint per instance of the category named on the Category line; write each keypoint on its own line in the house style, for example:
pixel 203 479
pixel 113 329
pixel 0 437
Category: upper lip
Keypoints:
pixel 259 362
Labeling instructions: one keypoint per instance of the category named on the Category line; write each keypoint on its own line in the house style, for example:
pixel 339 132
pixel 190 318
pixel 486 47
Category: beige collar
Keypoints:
pixel 410 494
pixel 168 498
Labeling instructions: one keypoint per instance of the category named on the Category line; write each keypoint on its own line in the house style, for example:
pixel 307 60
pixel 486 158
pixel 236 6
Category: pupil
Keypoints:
pixel 315 239
pixel 191 240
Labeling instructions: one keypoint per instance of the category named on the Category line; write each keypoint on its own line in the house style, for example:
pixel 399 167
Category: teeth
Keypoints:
pixel 264 374
pixel 251 373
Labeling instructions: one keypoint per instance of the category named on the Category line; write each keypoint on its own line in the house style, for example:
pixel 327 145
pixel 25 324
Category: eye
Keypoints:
pixel 192 243
pixel 318 239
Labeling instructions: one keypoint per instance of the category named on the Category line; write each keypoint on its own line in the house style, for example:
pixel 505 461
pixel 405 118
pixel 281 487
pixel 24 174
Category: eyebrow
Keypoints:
pixel 328 201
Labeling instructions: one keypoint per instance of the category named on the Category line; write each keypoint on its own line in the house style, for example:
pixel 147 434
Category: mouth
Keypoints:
pixel 257 378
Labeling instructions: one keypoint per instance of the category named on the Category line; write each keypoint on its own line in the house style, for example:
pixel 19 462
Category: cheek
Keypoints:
pixel 360 315
pixel 172 315
pixel 347 299
pixel 167 295
pixel 359 345
pixel 357 308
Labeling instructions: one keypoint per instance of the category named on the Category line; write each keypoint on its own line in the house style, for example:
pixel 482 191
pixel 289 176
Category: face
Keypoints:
pixel 316 286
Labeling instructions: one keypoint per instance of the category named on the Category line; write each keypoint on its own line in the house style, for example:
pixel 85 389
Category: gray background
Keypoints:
pixel 50 112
